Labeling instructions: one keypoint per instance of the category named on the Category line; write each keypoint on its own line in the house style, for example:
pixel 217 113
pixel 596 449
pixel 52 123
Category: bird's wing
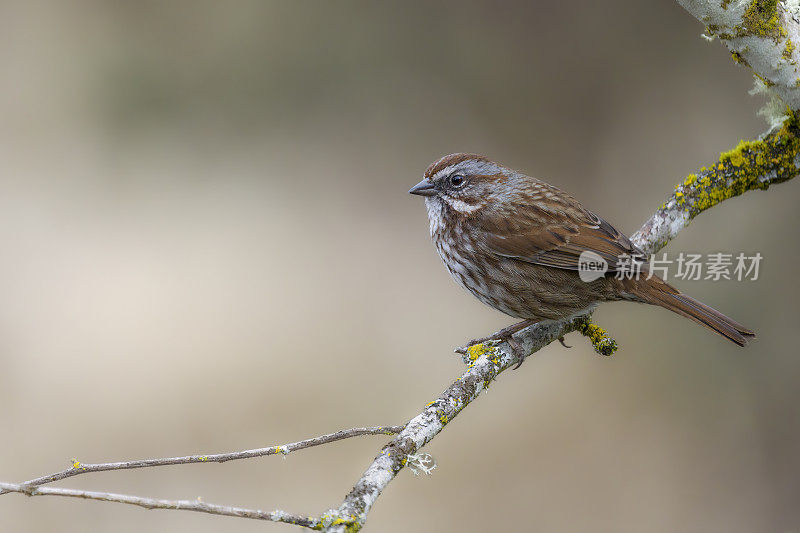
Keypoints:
pixel 552 229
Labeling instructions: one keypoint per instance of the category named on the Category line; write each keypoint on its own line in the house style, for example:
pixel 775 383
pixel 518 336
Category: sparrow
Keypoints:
pixel 517 243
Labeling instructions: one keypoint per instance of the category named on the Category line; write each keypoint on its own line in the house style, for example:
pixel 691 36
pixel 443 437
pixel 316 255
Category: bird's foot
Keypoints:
pixel 504 335
pixel 564 344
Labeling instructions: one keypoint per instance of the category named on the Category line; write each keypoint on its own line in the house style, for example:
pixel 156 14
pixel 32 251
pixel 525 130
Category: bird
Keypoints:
pixel 516 243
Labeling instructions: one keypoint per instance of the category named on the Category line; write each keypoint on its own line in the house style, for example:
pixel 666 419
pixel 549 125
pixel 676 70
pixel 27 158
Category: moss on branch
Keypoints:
pixel 761 19
pixel 750 166
pixel 600 339
pixel 788 51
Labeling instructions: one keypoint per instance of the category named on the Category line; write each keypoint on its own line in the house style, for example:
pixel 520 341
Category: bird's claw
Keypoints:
pixel 564 344
pixel 504 335
pixel 518 351
pixel 516 348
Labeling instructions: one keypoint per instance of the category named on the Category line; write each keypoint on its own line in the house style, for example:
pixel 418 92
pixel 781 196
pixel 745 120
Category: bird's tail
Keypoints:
pixel 658 292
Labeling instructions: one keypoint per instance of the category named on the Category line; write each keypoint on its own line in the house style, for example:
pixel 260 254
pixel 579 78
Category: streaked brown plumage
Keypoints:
pixel 514 242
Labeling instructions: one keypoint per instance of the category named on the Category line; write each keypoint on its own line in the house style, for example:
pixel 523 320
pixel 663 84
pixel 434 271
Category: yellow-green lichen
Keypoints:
pixel 739 59
pixel 600 339
pixel 484 348
pixel 761 19
pixel 735 157
pixel 351 523
pixel 788 50
pixel 477 350
pixel 744 168
pixel 716 31
pixel 765 81
pixel 439 411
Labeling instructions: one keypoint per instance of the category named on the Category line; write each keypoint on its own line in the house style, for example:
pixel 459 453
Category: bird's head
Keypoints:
pixel 464 183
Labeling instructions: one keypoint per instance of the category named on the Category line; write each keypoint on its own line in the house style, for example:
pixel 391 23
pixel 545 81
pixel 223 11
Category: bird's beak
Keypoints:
pixel 423 188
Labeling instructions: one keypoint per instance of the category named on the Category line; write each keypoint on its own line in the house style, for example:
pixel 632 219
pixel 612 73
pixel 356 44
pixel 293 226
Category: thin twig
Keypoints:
pixel 85 468
pixel 179 505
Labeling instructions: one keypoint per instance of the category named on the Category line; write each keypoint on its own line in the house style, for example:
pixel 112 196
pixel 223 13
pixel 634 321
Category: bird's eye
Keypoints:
pixel 457 180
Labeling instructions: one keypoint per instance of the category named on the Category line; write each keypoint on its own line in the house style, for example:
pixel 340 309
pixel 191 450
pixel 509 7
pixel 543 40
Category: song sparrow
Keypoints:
pixel 515 242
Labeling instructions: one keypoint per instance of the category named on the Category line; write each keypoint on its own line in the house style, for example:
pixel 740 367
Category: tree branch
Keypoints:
pixel 485 362
pixel 750 166
pixel 34 487
pixel 761 34
pixel 180 505
pixel 85 468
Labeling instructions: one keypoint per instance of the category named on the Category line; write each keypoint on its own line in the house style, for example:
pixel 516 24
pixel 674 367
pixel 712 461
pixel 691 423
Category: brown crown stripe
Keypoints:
pixel 452 159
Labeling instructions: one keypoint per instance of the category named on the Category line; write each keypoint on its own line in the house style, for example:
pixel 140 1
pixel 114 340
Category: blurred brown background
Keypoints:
pixel 208 246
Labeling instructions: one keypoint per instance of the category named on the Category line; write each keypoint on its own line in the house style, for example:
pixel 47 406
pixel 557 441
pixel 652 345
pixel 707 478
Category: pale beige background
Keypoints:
pixel 207 245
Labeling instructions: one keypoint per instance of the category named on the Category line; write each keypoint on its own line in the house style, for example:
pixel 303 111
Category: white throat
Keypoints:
pixel 435 208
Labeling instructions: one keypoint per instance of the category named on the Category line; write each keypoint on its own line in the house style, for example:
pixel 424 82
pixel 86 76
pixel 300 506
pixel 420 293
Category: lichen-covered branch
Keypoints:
pixel 761 34
pixel 485 362
pixel 600 339
pixel 753 165
pixel 750 166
